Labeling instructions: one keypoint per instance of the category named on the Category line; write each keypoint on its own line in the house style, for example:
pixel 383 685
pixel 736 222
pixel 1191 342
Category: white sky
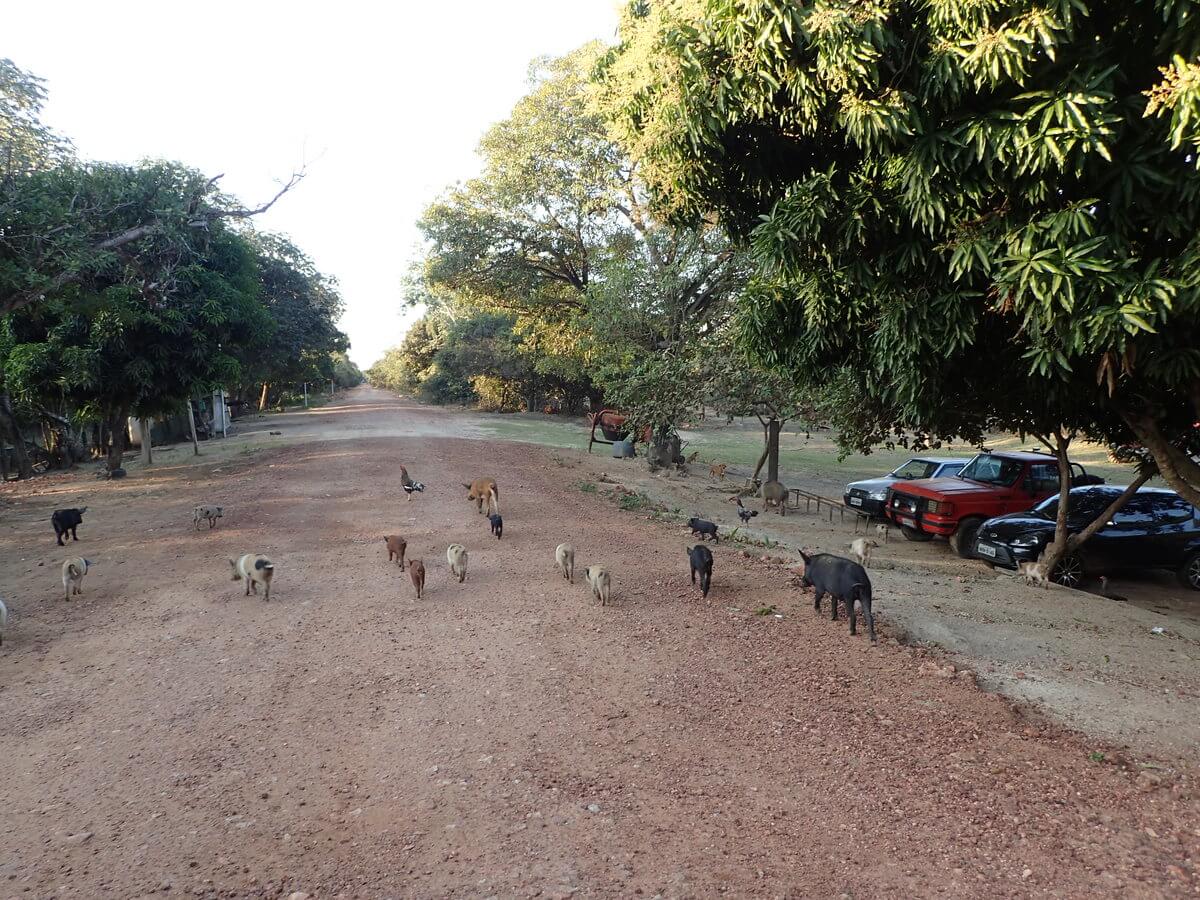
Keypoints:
pixel 385 103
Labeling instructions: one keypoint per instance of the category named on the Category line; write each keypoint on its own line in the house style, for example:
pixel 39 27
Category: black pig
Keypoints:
pixel 67 520
pixel 703 528
pixel 843 579
pixel 497 525
pixel 701 559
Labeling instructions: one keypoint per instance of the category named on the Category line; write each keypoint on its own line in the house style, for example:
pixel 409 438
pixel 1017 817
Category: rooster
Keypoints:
pixel 413 487
pixel 744 514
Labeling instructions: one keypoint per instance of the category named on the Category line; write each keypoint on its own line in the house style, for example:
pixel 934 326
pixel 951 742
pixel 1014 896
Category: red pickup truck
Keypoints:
pixel 991 484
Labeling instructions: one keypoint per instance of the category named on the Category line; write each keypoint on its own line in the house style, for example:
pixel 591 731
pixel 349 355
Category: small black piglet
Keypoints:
pixel 497 524
pixel 703 528
pixel 701 560
pixel 67 520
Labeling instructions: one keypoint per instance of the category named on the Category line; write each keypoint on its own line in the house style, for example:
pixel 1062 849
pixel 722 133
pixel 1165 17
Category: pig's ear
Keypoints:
pixel 804 556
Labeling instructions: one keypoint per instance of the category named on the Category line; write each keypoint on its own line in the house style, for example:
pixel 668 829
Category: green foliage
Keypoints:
pixel 126 289
pixel 107 350
pixel 345 373
pixel 26 144
pixel 555 234
pixel 978 213
pixel 304 306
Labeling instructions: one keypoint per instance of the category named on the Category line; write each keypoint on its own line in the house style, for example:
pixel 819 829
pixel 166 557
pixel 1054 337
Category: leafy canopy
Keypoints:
pixel 944 195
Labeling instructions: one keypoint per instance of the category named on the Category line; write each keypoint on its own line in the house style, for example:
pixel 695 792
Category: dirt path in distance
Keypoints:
pixel 505 737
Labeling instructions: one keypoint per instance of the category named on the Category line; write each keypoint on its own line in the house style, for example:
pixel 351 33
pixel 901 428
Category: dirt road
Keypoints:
pixel 505 737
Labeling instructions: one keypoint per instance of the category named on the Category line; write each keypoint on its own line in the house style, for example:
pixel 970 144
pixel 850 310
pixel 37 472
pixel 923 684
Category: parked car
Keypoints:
pixel 1156 529
pixel 870 494
pixel 991 484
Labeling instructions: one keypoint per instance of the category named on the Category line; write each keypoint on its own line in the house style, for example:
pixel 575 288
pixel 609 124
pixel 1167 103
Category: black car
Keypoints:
pixel 1156 529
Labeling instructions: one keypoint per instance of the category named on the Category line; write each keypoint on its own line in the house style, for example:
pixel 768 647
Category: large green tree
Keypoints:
pixel 955 200
pixel 304 306
pixel 558 215
pixel 109 351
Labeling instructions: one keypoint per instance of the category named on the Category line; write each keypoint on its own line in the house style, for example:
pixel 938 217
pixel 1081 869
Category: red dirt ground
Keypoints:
pixel 504 737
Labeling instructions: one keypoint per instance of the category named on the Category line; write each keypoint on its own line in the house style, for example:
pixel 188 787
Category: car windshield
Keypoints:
pixel 1086 504
pixel 915 468
pixel 989 469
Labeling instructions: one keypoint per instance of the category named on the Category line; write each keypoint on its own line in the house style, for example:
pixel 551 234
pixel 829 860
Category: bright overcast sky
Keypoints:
pixel 384 101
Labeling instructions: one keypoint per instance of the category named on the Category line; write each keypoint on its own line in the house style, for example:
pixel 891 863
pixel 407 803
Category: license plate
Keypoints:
pixel 856 501
pixel 909 522
pixel 986 549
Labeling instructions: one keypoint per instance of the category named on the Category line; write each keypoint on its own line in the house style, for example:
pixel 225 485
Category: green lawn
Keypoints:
pixel 802 457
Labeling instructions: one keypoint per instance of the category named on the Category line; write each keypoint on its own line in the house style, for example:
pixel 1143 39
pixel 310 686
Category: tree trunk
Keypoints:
pixel 773 428
pixel 8 423
pixel 147 453
pixel 766 451
pixel 1058 547
pixel 118 430
pixel 192 426
pixel 1175 466
pixel 262 401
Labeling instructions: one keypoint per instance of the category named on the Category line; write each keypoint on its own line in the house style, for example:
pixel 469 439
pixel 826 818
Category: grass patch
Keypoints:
pixel 765 611
pixel 587 487
pixel 802 457
pixel 635 501
pixel 1096 756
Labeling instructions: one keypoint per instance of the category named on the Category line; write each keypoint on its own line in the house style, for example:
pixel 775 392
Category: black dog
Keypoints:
pixel 65 520
pixel 497 525
pixel 703 528
pixel 701 560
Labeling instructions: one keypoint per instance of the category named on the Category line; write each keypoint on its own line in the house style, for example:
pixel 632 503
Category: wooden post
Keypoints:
pixel 306 395
pixel 147 456
pixel 192 425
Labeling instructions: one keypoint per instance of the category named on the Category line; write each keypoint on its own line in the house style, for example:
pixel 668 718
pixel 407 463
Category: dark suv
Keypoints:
pixel 1156 529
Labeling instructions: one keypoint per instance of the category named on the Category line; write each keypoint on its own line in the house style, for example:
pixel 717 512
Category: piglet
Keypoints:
pixel 701 560
pixel 842 579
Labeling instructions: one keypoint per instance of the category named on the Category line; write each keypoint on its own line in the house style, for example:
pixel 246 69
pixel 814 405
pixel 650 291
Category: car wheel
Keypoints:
pixel 1069 571
pixel 1189 572
pixel 913 535
pixel 963 540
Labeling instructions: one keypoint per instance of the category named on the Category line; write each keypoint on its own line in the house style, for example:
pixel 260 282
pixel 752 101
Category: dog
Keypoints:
pixel 65 520
pixel 717 471
pixel 456 555
pixel 564 556
pixel 254 569
pixel 700 559
pixel 396 546
pixel 208 514
pixel 600 582
pixel 703 528
pixel 860 549
pixel 416 571
pixel 73 571
pixel 497 525
pixel 482 489
pixel 1034 573
pixel 883 531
